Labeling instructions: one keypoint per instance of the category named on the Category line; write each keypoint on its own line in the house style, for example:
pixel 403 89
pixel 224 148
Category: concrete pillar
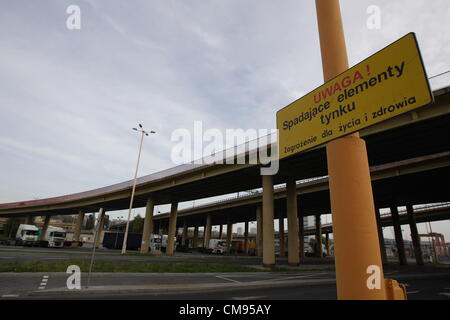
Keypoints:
pixel 381 236
pixel 259 232
pixel 301 238
pixel 229 234
pixel 398 236
pixel 28 219
pixel 208 230
pixel 184 240
pixel 78 226
pixel 319 251
pixel 101 222
pixel 281 233
pixel 246 237
pixel 172 228
pixel 195 238
pixel 220 231
pixel 293 231
pixel 148 225
pixel 414 235
pixel 268 232
pixel 45 227
pixel 327 243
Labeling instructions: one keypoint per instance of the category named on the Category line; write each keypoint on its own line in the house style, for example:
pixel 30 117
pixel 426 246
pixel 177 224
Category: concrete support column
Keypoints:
pixel 172 228
pixel 78 226
pixel 301 238
pixel 45 227
pixel 259 232
pixel 208 230
pixel 148 225
pixel 101 222
pixel 268 232
pixel 184 241
pixel 398 236
pixel 381 236
pixel 281 233
pixel 28 219
pixel 414 235
pixel 293 231
pixel 195 239
pixel 327 243
pixel 246 237
pixel 229 235
pixel 319 251
pixel 220 231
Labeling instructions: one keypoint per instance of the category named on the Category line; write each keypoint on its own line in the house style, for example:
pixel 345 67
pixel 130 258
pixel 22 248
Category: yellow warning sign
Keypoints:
pixel 389 83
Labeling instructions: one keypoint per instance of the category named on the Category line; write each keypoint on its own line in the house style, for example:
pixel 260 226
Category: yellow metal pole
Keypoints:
pixel 354 223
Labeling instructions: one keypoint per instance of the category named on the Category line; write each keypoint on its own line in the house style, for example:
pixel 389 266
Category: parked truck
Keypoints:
pixel 27 235
pixel 54 237
pixel 217 246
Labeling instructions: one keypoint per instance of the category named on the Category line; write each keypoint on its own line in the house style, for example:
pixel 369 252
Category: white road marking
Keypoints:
pixel 445 294
pixel 289 278
pixel 249 298
pixel 43 282
pixel 412 292
pixel 224 278
pixel 10 296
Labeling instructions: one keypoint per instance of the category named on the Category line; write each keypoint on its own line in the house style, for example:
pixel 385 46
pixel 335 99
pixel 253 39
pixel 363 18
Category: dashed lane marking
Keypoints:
pixel 43 283
pixel 10 296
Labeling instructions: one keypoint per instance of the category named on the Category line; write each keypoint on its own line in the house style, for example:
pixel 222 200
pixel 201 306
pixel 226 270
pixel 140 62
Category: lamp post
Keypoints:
pixel 143 132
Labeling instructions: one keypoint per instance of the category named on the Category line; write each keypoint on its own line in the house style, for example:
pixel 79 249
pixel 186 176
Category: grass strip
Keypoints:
pixel 132 267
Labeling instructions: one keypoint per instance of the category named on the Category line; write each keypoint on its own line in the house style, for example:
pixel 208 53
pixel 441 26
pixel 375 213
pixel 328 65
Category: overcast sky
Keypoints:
pixel 69 98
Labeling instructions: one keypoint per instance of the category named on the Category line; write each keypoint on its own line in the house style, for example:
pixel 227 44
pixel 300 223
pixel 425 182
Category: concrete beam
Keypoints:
pixel 148 225
pixel 259 232
pixel 414 235
pixel 268 232
pixel 207 236
pixel 293 231
pixel 195 238
pixel 172 228
pixel 398 236
pixel 229 234
pixel 301 238
pixel 78 226
pixel 319 252
pixel 381 236
pixel 101 222
pixel 281 233
pixel 246 237
pixel 45 227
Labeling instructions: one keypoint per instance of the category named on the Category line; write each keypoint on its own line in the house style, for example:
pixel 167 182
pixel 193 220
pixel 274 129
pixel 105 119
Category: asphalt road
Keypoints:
pixel 314 285
pixel 422 282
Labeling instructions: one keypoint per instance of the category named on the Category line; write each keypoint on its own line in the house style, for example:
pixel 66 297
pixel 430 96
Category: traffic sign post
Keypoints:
pixel 359 269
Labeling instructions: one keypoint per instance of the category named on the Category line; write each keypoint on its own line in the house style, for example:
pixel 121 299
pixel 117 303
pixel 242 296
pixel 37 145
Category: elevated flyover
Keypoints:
pixel 408 156
pixel 419 133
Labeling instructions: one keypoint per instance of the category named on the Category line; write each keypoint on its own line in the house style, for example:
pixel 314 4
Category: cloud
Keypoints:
pixel 70 98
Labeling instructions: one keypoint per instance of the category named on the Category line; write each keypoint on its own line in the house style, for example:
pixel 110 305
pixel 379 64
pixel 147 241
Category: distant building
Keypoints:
pixel 3 225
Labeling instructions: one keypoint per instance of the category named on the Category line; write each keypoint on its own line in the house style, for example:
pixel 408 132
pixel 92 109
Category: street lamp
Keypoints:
pixel 143 132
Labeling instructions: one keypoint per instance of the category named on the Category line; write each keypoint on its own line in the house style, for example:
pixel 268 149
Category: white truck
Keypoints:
pixel 217 246
pixel 27 235
pixel 54 237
